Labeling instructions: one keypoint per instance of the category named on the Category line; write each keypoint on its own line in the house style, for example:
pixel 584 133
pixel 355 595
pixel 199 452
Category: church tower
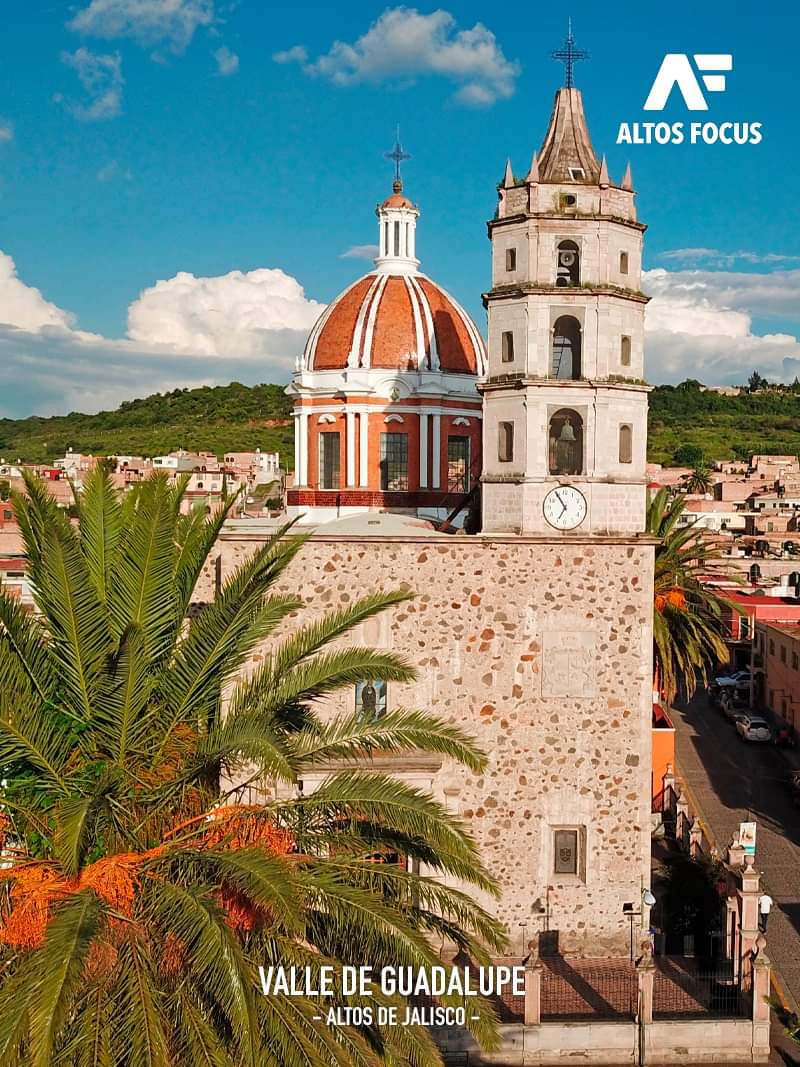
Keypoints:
pixel 565 405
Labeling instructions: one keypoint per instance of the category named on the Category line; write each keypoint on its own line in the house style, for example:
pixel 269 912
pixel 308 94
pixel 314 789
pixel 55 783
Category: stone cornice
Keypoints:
pixel 560 216
pixel 515 290
pixel 505 382
pixel 486 540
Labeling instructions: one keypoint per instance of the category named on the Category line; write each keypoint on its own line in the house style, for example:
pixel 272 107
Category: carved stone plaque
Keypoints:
pixel 568 663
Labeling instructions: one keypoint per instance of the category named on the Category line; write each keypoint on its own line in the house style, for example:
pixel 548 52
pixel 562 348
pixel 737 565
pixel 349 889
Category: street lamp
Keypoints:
pixel 647 901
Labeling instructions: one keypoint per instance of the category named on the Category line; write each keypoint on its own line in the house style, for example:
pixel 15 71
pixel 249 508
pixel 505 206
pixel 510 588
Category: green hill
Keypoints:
pixel 225 418
pixel 722 427
pixel 238 417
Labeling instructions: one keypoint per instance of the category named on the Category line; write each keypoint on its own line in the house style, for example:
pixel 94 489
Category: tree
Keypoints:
pixel 699 481
pixel 688 621
pixel 144 884
pixel 689 456
pixel 756 382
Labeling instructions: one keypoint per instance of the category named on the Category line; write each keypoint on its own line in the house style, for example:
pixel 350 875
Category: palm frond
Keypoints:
pixel 59 972
pixel 100 529
pixel 143 591
pixel 397 731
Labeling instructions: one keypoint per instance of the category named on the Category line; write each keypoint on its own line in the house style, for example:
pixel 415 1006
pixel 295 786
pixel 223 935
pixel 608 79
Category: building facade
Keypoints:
pixel 387 414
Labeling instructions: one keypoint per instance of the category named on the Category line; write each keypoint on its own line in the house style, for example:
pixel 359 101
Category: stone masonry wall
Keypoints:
pixel 541 649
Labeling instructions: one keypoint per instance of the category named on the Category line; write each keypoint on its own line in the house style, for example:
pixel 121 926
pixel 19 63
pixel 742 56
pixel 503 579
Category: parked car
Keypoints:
pixel 737 679
pixel 784 735
pixel 753 728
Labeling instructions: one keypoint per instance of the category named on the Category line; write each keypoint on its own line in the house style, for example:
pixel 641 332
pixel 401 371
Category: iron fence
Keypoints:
pixel 686 988
pixel 588 989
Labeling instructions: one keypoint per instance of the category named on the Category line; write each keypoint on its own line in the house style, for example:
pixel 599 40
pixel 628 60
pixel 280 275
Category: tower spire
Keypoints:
pixel 569 55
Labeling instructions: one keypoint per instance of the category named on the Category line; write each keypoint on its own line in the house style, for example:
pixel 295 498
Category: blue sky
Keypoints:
pixel 136 146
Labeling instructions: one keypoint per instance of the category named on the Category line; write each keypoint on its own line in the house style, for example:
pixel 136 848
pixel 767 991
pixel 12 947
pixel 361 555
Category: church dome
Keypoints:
pixel 396 318
pixel 395 321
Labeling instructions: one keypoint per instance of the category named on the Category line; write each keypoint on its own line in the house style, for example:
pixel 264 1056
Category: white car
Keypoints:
pixel 752 728
pixel 736 679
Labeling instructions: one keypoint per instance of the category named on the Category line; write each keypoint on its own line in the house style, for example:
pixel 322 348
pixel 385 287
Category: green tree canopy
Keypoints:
pixel 146 881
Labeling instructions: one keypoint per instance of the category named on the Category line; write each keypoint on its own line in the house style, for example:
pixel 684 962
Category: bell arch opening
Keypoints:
pixel 565 439
pixel 565 356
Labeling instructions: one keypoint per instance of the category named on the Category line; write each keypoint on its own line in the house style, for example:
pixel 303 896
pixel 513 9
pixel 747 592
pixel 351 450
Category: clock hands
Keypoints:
pixel 561 502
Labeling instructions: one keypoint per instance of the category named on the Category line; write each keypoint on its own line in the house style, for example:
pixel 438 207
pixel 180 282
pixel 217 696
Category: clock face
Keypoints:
pixel 565 507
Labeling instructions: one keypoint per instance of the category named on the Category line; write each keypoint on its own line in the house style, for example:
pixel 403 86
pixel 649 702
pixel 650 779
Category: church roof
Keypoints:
pixel 567 147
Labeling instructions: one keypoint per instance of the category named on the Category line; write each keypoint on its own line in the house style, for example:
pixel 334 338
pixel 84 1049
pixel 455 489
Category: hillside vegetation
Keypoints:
pixel 686 417
pixel 237 417
pixel 219 419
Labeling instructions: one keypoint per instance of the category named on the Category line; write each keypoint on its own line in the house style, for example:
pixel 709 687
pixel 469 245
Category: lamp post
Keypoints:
pixel 647 901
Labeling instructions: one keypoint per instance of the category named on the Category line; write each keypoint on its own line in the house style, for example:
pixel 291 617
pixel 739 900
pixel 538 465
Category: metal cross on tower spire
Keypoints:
pixel 398 156
pixel 569 55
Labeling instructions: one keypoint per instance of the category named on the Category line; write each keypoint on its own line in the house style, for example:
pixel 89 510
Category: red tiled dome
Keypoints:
pixel 396 322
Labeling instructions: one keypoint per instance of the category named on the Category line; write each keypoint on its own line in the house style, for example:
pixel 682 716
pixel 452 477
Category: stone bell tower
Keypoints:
pixel 565 405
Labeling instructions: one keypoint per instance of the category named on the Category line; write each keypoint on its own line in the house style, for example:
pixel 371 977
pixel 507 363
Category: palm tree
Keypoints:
pixel 140 892
pixel 688 618
pixel 699 481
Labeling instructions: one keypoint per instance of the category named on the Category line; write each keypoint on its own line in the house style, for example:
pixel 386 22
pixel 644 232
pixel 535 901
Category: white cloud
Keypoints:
pixel 6 131
pixel 403 44
pixel 227 61
pixel 297 54
pixel 714 257
pixel 112 172
pixel 101 77
pixel 238 314
pixel 185 331
pixel 24 307
pixel 700 325
pixel 360 252
pixel 148 22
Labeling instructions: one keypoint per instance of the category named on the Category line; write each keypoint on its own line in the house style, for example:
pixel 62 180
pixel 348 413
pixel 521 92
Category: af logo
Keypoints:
pixel 676 69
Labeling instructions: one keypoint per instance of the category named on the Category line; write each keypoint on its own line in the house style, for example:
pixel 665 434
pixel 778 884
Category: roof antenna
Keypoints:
pixel 569 55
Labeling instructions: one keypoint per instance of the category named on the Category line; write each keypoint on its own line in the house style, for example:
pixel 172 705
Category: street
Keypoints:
pixel 731 781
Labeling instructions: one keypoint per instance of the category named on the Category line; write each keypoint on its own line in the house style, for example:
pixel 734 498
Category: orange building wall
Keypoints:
pixel 663 747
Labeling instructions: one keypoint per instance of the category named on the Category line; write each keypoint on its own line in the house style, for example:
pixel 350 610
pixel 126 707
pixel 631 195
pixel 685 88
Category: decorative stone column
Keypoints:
pixel 761 989
pixel 668 780
pixel 533 990
pixel 749 894
pixel 681 818
pixel 436 457
pixel 424 419
pixel 351 448
pixel 302 436
pixel 695 839
pixel 363 448
pixel 646 978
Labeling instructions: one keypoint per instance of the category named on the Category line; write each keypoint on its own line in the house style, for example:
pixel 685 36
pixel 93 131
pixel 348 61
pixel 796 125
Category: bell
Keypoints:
pixel 567 433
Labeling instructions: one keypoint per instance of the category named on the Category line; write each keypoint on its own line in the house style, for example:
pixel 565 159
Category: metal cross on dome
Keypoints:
pixel 569 55
pixel 398 156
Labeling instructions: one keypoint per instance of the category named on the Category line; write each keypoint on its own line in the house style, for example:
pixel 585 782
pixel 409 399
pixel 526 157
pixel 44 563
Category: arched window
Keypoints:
pixel 566 442
pixel 623 262
pixel 625 351
pixel 626 443
pixel 566 355
pixel 568 265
